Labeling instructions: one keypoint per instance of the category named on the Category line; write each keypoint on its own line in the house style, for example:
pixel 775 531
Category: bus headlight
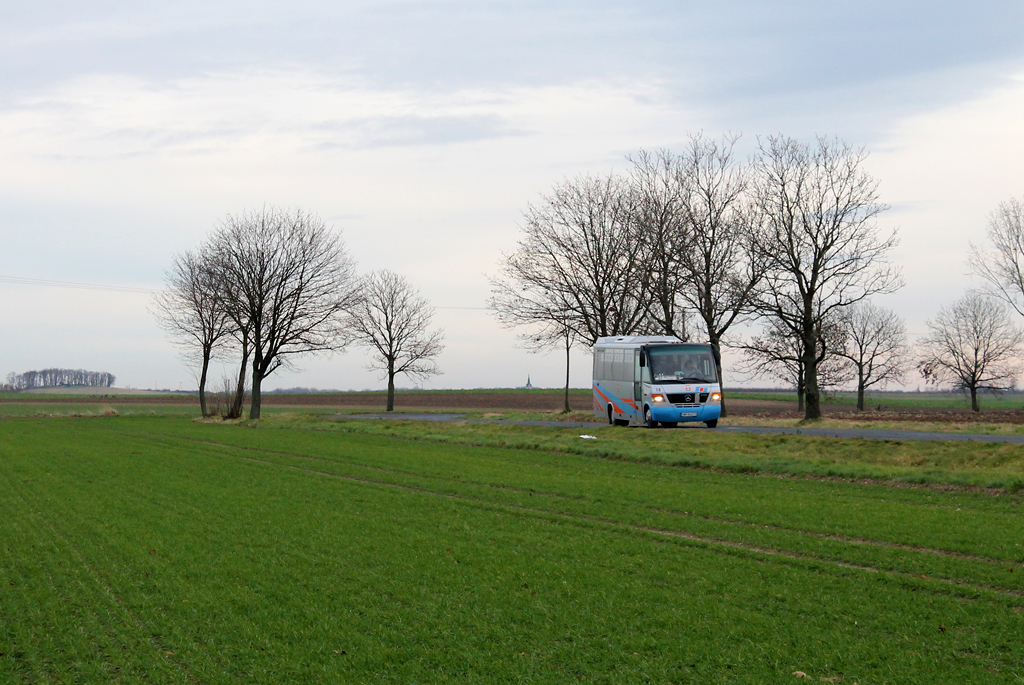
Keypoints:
pixel 716 397
pixel 658 398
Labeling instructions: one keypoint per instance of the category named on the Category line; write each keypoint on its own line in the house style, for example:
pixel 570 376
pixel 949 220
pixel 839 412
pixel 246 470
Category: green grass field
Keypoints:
pixel 302 550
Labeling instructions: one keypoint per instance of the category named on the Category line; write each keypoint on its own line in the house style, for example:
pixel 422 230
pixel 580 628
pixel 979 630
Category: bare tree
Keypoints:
pixel 875 343
pixel 819 243
pixel 549 326
pixel 288 280
pixel 777 353
pixel 659 218
pixel 1002 266
pixel 719 264
pixel 190 310
pixel 973 345
pixel 556 335
pixel 581 270
pixel 392 320
pixel 580 257
pixel 241 336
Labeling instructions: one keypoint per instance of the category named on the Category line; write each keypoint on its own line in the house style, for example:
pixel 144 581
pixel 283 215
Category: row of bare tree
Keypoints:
pixel 270 285
pixel 864 343
pixel 973 343
pixel 789 237
pixel 53 378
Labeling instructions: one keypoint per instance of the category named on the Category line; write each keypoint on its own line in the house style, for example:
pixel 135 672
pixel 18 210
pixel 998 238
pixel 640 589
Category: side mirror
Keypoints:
pixel 643 359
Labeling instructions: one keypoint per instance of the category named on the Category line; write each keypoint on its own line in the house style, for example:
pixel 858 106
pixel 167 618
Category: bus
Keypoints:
pixel 656 380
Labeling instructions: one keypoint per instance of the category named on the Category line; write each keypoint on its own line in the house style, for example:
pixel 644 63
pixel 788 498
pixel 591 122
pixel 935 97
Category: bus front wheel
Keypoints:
pixel 712 423
pixel 648 419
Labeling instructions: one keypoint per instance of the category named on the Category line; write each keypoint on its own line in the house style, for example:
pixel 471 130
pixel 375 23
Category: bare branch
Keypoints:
pixel 973 345
pixel 818 240
pixel 191 312
pixel 287 281
pixel 392 320
pixel 875 343
pixel 1002 266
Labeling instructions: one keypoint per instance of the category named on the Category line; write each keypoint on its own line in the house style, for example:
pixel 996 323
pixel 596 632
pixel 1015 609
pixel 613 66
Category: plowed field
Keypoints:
pixel 539 401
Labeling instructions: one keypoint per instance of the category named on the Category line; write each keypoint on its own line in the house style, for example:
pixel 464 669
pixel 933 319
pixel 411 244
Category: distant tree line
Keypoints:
pixel 55 378
pixel 271 285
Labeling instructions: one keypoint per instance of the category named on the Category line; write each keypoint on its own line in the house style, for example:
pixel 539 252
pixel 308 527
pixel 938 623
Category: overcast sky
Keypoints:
pixel 421 131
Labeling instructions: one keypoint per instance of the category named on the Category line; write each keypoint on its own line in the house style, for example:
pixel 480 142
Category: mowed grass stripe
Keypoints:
pixel 423 588
pixel 991 573
pixel 996 465
pixel 963 576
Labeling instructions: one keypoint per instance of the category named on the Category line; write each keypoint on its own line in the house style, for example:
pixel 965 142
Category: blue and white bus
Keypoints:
pixel 652 380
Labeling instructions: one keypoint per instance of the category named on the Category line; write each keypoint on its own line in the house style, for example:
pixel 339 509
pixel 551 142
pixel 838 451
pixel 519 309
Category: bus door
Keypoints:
pixel 638 386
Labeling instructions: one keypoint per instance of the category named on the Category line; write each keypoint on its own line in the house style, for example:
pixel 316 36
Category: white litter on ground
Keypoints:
pixel 589 437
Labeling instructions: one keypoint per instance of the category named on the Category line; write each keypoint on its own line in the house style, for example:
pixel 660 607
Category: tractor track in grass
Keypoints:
pixel 583 519
pixel 673 512
pixel 708 542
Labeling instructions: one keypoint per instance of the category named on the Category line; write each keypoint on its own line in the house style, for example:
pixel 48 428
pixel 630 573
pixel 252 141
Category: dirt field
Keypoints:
pixel 539 401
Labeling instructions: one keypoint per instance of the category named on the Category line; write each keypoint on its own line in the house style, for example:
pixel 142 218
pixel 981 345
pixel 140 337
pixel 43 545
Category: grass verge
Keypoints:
pixel 974 464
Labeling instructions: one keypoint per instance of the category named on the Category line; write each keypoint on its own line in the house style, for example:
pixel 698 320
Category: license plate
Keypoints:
pixel 687 413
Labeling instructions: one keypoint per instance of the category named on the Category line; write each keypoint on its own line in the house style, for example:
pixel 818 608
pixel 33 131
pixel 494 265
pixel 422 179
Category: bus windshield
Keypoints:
pixel 682 364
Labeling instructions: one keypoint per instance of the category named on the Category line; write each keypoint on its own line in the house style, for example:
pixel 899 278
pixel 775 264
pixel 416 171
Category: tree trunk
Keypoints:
pixel 202 383
pixel 860 388
pixel 236 406
pixel 974 399
pixel 565 409
pixel 391 385
pixel 812 409
pixel 257 383
pixel 800 388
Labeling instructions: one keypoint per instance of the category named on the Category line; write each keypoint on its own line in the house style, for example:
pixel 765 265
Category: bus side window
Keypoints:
pixel 620 365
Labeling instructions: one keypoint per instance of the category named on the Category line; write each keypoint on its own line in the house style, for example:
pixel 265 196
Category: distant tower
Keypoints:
pixel 528 383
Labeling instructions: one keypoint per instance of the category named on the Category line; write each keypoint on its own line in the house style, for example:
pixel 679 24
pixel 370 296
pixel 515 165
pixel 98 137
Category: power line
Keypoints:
pixel 75 286
pixel 123 288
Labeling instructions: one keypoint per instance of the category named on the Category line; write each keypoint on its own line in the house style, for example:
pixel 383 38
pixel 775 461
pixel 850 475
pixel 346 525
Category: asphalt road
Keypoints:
pixel 761 430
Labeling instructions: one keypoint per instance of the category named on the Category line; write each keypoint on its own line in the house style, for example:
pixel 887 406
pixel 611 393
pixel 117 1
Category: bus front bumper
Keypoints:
pixel 671 414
